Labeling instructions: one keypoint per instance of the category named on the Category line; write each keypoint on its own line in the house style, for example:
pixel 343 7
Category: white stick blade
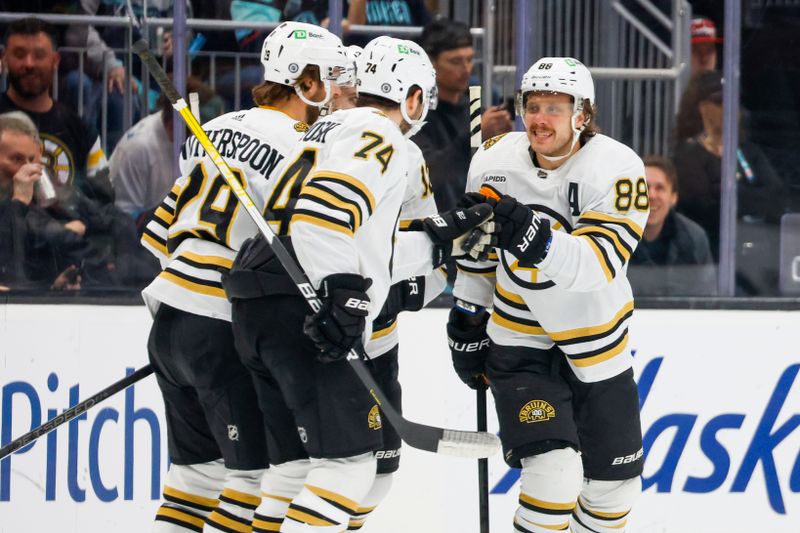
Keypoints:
pixel 472 444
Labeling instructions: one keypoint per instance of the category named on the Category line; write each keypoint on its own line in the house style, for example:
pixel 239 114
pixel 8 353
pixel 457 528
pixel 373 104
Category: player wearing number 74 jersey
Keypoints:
pixel 571 204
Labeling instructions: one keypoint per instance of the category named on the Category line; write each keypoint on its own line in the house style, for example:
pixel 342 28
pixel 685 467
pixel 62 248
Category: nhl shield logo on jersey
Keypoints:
pixel 536 411
pixel 374 418
pixel 233 432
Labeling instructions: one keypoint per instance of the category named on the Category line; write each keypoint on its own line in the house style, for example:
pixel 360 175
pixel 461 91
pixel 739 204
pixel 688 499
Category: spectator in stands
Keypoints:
pixel 36 251
pixel 142 170
pixel 382 13
pixel 72 148
pixel 444 139
pixel 760 194
pixel 704 42
pixel 673 257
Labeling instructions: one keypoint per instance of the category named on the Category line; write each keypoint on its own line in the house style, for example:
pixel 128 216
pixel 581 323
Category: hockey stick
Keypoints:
pixel 480 393
pixel 75 411
pixel 428 438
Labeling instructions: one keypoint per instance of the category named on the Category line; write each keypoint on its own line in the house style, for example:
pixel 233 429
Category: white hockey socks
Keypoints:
pixel 331 494
pixel 279 485
pixel 378 491
pixel 237 503
pixel 603 506
pixel 550 485
pixel 189 496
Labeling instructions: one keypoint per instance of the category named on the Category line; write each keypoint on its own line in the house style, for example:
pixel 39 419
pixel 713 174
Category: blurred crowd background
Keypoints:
pixel 86 140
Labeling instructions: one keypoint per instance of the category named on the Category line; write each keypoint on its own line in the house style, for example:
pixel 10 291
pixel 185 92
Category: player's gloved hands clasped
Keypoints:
pixel 337 327
pixel 459 232
pixel 521 231
pixel 469 345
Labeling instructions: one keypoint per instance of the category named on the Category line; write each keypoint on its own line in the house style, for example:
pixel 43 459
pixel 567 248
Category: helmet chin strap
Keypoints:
pixel 322 103
pixel 417 124
pixel 576 133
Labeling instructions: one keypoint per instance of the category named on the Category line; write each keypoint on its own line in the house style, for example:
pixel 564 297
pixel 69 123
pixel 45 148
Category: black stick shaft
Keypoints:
pixel 483 465
pixel 75 411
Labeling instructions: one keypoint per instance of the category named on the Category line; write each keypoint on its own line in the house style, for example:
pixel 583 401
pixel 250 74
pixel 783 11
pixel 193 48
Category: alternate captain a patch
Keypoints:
pixel 536 411
pixel 374 418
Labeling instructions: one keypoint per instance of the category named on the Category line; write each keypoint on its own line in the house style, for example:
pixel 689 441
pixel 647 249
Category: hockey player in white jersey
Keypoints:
pixel 571 204
pixel 216 435
pixel 336 207
pixel 408 295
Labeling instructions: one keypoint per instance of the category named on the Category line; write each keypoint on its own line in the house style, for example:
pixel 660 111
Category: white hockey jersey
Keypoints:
pixel 410 248
pixel 200 225
pixel 346 213
pixel 578 297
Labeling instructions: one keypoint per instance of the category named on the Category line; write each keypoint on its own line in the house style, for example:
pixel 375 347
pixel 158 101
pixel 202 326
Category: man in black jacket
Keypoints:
pixel 36 250
pixel 673 257
pixel 445 138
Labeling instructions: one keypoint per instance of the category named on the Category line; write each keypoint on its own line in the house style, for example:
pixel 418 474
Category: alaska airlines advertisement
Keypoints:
pixel 720 407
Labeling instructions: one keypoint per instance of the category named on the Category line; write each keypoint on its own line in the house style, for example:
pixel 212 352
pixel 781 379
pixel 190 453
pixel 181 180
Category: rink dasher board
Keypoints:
pixel 721 419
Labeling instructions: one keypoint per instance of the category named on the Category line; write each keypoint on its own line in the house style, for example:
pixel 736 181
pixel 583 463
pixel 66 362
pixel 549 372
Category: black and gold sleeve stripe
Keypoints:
pixel 602 256
pixel 156 241
pixel 345 181
pixel 477 270
pixel 317 192
pixel 595 218
pixel 621 248
pixel 510 299
pixel 321 220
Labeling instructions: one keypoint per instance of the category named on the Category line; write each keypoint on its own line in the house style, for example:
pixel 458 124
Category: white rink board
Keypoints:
pixel 727 379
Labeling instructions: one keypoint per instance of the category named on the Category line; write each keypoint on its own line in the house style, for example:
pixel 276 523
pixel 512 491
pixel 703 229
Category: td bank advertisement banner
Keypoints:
pixel 719 390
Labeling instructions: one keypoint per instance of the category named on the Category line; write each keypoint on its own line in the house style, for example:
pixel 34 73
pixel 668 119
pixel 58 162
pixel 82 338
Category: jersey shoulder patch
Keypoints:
pixel 491 142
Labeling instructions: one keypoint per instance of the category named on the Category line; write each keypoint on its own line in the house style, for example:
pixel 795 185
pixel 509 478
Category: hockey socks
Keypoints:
pixel 330 495
pixel 279 485
pixel 237 503
pixel 189 496
pixel 550 483
pixel 378 491
pixel 603 506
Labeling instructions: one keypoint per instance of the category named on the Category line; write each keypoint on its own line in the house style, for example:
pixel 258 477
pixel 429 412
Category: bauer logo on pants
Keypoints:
pixel 374 418
pixel 536 411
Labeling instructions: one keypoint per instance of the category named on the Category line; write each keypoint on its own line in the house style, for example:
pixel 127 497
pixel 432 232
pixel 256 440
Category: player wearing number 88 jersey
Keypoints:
pixel 571 204
pixel 216 435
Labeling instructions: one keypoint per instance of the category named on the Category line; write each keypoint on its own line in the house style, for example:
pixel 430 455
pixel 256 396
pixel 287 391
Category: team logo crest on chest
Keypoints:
pixel 536 411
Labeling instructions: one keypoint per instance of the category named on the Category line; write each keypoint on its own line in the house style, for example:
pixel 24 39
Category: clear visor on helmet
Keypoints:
pixel 333 64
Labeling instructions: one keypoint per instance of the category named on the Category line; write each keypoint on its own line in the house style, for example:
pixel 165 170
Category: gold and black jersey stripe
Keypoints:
pixel 595 218
pixel 593 333
pixel 348 182
pixel 602 354
pixel 477 270
pixel 510 299
pixel 621 248
pixel 321 220
pixel 522 325
pixel 602 256
pixel 319 193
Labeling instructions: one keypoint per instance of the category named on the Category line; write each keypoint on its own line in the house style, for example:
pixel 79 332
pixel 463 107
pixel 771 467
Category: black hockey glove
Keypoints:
pixel 521 231
pixel 460 232
pixel 337 327
pixel 469 345
pixel 406 295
